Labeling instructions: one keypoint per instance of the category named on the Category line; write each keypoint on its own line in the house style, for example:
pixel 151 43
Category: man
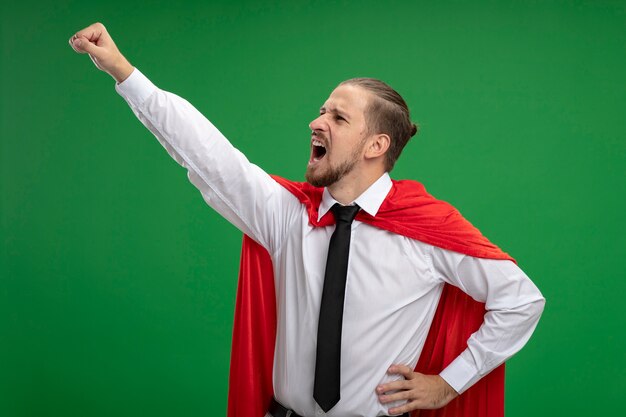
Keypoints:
pixel 394 277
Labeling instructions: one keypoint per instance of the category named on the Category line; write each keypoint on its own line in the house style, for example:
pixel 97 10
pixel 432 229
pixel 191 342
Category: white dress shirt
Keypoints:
pixel 393 282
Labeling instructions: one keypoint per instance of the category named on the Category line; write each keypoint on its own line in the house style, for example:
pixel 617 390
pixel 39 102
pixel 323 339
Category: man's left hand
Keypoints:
pixel 421 391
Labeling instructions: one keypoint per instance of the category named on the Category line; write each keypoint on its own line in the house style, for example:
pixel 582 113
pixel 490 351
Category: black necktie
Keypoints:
pixel 328 359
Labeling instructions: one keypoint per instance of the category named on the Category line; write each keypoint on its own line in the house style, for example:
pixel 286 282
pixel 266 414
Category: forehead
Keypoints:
pixel 349 98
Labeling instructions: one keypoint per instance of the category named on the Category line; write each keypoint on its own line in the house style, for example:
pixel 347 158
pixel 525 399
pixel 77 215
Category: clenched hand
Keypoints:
pixel 96 41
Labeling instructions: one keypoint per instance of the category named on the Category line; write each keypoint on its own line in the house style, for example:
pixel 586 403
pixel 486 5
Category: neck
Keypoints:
pixel 347 189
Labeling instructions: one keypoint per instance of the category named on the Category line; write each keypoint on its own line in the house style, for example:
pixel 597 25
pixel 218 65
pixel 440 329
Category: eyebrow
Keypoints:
pixel 334 110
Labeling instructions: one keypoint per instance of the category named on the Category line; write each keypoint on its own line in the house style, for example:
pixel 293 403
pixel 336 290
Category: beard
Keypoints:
pixel 334 173
pixel 331 175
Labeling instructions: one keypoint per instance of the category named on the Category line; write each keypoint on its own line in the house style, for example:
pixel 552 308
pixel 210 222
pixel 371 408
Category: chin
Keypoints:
pixel 315 180
pixel 326 177
pixel 324 180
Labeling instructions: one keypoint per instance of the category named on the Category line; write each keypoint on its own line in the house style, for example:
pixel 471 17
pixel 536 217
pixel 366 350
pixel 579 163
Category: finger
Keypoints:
pixel 410 406
pixel 77 44
pixel 71 42
pixel 85 46
pixel 400 395
pixel 92 32
pixel 400 369
pixel 401 384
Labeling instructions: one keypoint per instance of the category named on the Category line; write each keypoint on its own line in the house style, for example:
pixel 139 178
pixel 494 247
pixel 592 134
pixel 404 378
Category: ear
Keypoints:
pixel 377 146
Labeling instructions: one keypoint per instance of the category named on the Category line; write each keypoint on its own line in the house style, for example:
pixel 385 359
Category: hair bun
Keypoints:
pixel 413 129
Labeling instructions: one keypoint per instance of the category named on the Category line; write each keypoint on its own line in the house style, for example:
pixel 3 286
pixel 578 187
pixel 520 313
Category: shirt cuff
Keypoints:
pixel 461 373
pixel 136 88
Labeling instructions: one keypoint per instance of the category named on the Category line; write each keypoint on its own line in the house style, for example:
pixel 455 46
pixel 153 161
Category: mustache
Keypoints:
pixel 318 134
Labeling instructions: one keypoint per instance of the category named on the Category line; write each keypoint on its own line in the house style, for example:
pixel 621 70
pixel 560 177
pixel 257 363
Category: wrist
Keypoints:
pixel 121 70
pixel 449 393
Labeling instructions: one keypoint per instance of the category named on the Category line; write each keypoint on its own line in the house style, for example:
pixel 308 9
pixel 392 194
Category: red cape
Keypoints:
pixel 408 210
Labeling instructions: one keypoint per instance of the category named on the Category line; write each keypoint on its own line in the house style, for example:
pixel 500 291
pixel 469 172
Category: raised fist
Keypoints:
pixel 96 41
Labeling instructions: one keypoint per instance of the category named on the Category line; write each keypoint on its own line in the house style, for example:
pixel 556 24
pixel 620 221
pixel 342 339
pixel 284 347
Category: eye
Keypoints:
pixel 337 117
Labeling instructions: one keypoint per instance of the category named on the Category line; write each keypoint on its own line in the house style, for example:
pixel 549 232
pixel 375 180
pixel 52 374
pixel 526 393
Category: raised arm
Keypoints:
pixel 240 191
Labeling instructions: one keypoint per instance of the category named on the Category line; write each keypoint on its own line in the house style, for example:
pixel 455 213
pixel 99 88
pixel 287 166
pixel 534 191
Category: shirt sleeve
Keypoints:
pixel 237 189
pixel 513 303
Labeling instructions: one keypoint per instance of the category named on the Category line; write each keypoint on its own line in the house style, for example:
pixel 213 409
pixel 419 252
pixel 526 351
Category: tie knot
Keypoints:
pixel 344 214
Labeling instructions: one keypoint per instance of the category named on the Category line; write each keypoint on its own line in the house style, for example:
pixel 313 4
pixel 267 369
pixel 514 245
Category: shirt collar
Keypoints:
pixel 370 200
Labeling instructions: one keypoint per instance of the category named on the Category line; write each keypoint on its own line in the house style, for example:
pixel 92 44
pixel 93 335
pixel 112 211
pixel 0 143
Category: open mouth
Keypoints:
pixel 319 150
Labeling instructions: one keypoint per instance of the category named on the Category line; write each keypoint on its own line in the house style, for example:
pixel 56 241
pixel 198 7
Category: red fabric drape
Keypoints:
pixel 250 387
pixel 410 211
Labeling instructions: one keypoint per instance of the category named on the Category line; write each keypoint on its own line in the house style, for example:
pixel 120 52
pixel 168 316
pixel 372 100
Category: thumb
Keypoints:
pixel 83 45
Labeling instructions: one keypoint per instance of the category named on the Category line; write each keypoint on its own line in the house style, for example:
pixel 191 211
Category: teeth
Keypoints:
pixel 318 143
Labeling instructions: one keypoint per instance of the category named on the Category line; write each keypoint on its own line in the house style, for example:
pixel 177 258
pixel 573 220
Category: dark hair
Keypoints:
pixel 387 113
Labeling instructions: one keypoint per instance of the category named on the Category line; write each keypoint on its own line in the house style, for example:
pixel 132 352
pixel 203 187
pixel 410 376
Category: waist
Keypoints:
pixel 278 410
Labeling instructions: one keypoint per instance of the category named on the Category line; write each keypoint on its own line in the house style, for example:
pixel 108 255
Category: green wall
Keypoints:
pixel 117 282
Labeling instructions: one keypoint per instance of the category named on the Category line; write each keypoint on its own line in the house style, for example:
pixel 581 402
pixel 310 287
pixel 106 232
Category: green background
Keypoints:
pixel 117 282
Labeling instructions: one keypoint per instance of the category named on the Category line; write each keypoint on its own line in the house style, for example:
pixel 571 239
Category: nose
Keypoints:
pixel 318 123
